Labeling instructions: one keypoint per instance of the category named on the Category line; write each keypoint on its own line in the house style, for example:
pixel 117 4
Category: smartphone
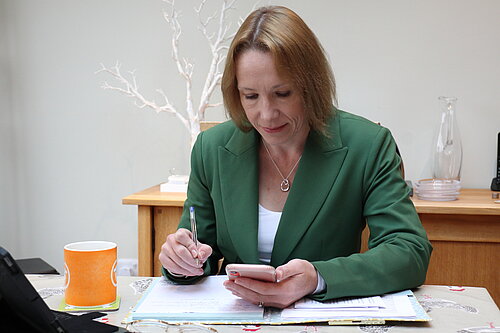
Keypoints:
pixel 258 272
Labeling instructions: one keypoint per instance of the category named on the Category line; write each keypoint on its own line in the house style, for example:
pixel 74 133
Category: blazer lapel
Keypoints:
pixel 239 168
pixel 320 164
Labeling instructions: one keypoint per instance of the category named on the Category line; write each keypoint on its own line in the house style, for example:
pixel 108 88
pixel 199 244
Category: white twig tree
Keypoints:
pixel 218 43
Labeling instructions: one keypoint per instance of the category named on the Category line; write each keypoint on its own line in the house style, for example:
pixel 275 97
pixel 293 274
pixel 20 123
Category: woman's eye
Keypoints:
pixel 251 96
pixel 283 93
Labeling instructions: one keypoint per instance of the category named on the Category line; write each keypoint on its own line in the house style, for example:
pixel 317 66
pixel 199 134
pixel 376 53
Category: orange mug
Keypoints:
pixel 90 272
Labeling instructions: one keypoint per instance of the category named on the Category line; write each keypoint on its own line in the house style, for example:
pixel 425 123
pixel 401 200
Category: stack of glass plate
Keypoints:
pixel 437 189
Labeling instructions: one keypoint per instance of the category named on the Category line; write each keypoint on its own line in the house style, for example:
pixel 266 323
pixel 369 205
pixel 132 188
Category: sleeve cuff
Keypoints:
pixel 174 274
pixel 321 286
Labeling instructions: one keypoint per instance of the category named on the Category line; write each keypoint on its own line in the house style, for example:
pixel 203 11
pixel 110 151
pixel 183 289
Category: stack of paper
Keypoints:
pixel 206 300
pixel 176 183
pixel 392 306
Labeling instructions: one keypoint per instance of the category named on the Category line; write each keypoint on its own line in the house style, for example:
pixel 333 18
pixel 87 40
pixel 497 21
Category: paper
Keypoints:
pixel 374 302
pixel 390 306
pixel 205 300
pixel 176 183
pixel 175 188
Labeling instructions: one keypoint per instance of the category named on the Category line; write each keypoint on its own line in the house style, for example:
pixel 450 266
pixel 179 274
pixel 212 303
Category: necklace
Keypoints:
pixel 285 183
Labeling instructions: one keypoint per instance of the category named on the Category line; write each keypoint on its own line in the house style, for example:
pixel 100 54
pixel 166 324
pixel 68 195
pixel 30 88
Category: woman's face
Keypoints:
pixel 272 103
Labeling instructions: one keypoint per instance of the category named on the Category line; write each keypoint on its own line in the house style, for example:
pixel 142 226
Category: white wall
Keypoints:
pixel 71 150
pixel 8 220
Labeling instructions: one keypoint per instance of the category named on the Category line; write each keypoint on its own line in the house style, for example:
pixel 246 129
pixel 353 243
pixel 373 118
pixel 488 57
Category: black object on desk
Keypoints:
pixel 495 183
pixel 35 266
pixel 23 310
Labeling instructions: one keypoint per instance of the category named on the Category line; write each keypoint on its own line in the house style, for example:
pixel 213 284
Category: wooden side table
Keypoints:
pixel 158 216
pixel 465 234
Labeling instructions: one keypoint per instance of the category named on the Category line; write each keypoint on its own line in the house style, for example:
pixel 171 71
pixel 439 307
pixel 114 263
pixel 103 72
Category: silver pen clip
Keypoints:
pixel 194 232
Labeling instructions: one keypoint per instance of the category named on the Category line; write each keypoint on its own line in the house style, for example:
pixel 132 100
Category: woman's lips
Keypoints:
pixel 273 129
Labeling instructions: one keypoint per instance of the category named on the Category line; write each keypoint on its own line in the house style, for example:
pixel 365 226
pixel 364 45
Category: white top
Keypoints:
pixel 268 226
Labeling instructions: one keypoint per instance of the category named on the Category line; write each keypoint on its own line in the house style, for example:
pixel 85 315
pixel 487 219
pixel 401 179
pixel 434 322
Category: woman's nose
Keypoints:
pixel 268 109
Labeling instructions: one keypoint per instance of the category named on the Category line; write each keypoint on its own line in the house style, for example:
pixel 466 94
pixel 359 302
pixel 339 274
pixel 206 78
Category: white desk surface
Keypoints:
pixel 460 310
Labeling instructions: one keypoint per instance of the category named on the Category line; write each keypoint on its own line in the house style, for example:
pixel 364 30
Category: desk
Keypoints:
pixel 464 311
pixel 465 234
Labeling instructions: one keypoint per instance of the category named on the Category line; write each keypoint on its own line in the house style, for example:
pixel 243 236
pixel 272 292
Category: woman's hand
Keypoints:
pixel 296 279
pixel 179 253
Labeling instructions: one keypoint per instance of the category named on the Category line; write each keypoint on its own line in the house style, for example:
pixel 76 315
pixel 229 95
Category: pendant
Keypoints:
pixel 285 185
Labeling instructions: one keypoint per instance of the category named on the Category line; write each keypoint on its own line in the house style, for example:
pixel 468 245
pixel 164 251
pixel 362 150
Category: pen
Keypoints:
pixel 194 233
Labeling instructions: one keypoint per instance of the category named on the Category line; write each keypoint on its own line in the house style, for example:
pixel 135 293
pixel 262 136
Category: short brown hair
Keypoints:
pixel 297 53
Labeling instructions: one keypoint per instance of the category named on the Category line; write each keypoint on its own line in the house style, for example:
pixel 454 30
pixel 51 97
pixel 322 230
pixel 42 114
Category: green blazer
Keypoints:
pixel 342 183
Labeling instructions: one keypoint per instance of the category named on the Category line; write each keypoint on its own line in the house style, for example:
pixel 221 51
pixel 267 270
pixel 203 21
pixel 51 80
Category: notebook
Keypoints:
pixel 23 310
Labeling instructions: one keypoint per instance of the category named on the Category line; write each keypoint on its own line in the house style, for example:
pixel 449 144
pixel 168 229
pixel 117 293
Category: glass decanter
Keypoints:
pixel 448 147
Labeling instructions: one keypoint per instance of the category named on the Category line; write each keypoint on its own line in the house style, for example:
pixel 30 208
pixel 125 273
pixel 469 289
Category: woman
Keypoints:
pixel 291 180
